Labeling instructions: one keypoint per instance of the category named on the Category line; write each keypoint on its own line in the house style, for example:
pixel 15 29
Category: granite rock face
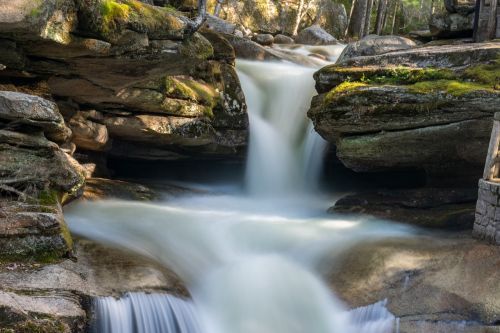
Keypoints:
pixel 36 176
pixel 136 64
pixel 427 108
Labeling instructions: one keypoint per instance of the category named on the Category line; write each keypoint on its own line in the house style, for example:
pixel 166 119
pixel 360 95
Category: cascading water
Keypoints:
pixel 248 259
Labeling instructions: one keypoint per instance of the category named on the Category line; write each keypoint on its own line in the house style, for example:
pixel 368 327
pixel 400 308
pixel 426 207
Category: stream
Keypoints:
pixel 249 254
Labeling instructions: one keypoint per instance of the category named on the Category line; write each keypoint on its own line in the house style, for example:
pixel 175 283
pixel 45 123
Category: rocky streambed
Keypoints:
pixel 84 82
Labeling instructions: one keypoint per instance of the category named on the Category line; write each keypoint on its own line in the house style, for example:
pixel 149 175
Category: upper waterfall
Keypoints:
pixel 278 96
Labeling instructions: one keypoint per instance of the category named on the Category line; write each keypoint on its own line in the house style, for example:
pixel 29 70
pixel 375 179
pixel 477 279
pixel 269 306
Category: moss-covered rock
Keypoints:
pixel 109 19
pixel 395 117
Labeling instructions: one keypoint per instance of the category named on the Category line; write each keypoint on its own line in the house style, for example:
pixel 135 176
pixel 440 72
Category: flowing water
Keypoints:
pixel 248 258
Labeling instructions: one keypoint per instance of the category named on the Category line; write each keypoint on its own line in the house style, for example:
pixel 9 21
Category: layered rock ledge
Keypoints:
pixel 428 108
pixel 130 78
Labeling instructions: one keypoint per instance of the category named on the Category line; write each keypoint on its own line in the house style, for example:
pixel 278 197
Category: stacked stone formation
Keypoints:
pixel 487 223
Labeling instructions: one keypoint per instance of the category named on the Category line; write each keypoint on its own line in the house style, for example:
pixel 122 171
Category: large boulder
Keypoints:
pixel 433 284
pixel 375 45
pixel 315 35
pixel 455 25
pixel 386 117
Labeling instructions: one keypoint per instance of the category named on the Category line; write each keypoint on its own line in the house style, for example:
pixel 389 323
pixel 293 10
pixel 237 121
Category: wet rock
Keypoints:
pixel 442 208
pixel 429 281
pixel 315 35
pixel 101 188
pixel 446 25
pixel 374 45
pixel 263 39
pixel 283 39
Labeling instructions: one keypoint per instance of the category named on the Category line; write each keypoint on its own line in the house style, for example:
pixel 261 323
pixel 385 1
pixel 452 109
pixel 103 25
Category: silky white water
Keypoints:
pixel 249 259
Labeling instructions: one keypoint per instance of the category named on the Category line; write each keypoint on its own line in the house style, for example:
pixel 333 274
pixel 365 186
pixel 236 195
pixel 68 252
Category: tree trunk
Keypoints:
pixel 396 5
pixel 358 18
pixel 475 35
pixel 381 13
pixel 198 21
pixel 218 8
pixel 432 9
pixel 492 20
pixel 369 7
pixel 296 24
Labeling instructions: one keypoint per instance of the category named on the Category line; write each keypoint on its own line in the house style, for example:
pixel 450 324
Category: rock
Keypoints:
pixel 437 56
pixel 446 25
pixel 101 188
pixel 223 51
pixel 282 39
pixel 57 297
pixel 135 60
pixel 431 283
pixel 29 110
pixel 374 45
pixel 460 6
pixel 88 134
pixel 49 20
pixel 315 35
pixel 263 39
pixel 247 49
pixel 273 17
pixel 388 118
pixel 255 15
pixel 330 16
pixel 442 208
pixel 36 177
pixel 217 24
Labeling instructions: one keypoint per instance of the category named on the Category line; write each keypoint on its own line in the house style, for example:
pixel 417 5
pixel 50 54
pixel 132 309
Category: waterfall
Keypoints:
pixel 285 152
pixel 142 313
pixel 249 260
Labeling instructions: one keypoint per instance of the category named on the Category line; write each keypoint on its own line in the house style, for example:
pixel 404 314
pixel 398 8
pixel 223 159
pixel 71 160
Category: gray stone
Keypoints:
pixel 283 39
pixel 315 35
pixel 372 45
pixel 446 25
pixel 33 111
pixel 263 39
pixel 219 25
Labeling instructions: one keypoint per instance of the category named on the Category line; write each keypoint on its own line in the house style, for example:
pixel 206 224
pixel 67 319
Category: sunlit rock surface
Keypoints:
pixel 119 67
pixel 445 284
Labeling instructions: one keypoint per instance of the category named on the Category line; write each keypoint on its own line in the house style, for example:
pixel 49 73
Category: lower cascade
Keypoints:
pixel 249 258
pixel 142 313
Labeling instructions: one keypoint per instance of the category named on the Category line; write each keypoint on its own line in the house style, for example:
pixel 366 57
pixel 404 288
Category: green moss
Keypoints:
pixel 111 11
pixel 189 89
pixel 344 87
pixel 488 74
pixel 453 87
pixel 48 198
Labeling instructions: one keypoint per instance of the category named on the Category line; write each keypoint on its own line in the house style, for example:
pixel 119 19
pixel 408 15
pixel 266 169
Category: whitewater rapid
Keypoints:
pixel 250 259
